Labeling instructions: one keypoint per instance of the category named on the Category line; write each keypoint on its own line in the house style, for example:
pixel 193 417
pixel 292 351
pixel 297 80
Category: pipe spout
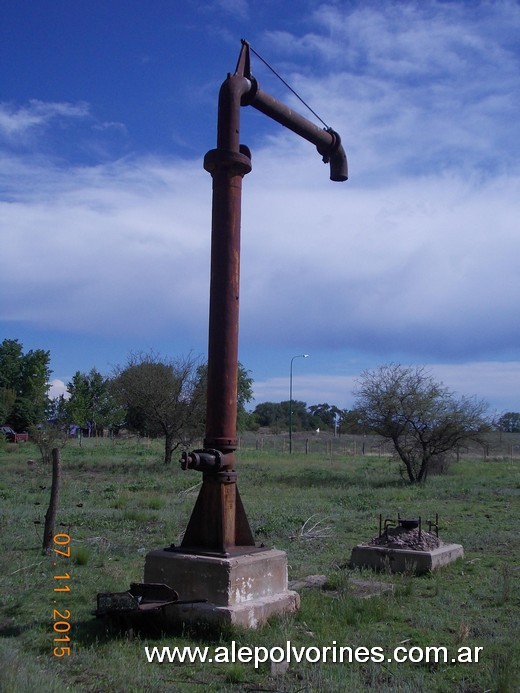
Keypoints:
pixel 336 157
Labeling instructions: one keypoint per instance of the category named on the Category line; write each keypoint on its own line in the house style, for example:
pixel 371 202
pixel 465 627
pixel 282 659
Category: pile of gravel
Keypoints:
pixel 400 538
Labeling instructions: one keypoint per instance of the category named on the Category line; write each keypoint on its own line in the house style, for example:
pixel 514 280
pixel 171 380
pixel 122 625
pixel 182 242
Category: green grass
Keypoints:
pixel 119 501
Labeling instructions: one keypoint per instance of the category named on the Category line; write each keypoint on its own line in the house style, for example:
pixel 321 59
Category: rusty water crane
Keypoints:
pixel 218 524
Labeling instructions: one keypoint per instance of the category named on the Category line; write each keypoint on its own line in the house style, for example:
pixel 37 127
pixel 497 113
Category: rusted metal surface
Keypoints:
pixel 218 523
pixel 140 598
pixel 407 524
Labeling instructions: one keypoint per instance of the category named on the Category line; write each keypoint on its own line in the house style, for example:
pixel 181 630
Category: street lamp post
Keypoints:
pixel 298 356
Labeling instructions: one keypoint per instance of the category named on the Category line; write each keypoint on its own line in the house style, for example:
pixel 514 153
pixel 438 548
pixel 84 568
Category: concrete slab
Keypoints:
pixel 405 560
pixel 244 590
pixel 251 614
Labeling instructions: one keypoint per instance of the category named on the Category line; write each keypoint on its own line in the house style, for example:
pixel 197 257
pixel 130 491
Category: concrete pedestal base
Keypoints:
pixel 404 560
pixel 243 590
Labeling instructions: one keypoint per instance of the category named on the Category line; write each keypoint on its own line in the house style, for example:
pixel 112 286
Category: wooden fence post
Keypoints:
pixel 50 515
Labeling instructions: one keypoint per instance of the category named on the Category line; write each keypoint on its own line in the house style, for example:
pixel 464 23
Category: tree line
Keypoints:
pixel 162 397
pixel 150 395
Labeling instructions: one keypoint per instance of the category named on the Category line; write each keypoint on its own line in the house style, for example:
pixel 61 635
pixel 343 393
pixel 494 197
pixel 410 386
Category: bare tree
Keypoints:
pixel 422 418
pixel 162 397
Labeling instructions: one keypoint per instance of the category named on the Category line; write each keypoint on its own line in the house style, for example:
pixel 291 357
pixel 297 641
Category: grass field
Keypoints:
pixel 118 501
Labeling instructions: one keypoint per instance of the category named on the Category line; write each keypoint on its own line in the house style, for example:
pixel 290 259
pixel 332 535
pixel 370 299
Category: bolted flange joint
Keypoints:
pixel 224 476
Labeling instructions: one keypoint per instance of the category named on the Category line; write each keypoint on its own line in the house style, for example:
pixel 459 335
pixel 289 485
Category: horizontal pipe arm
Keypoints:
pixel 327 142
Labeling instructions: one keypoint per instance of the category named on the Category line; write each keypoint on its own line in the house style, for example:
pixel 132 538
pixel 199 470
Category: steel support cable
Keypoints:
pixel 327 127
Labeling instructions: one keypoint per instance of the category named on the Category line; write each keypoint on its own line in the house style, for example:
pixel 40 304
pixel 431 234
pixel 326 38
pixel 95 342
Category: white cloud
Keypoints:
pixel 57 388
pixel 405 265
pixel 428 262
pixel 412 86
pixel 117 248
pixel 17 121
pixel 237 8
pixel 494 382
pixel 312 389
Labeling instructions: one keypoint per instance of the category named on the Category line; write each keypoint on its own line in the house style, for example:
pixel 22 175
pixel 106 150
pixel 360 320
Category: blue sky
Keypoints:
pixel 107 110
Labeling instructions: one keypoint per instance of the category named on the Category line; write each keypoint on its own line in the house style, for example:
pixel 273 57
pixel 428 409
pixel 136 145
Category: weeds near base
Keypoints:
pixel 314 530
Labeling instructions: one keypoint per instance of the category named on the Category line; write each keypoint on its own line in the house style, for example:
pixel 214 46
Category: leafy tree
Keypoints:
pixel 509 422
pixel 421 417
pixel 7 400
pixel 325 416
pixel 268 414
pixel 245 392
pixel 162 397
pixel 91 403
pixel 57 412
pixel 275 415
pixel 245 395
pixel 77 407
pixel 24 383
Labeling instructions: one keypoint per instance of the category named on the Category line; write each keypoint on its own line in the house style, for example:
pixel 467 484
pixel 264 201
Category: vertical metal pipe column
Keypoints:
pixel 218 523
pixel 228 164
